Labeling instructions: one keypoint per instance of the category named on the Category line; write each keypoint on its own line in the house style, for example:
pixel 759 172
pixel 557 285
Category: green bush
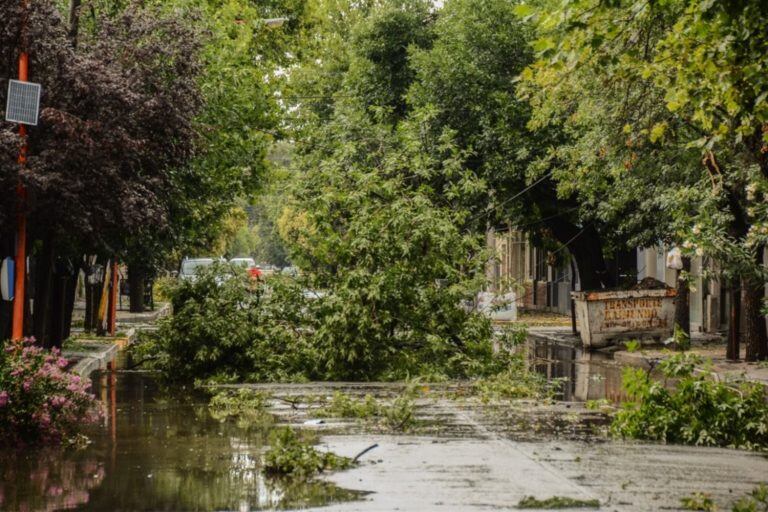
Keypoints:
pixel 696 410
pixel 398 415
pixel 342 405
pixel 513 379
pixel 225 327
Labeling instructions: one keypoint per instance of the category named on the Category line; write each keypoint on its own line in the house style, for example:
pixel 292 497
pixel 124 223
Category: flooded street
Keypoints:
pixel 162 450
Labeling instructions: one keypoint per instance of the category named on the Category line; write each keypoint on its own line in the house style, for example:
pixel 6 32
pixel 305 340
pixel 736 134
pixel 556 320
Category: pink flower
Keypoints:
pixel 27 384
pixel 62 363
pixel 3 398
pixel 58 401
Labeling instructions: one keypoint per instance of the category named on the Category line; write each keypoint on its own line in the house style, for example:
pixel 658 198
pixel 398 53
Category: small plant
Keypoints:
pixel 515 381
pixel 342 405
pixel 598 405
pixel 529 502
pixel 288 455
pixel 697 410
pixel 39 400
pixel 757 501
pixel 512 336
pixel 633 345
pixel 397 416
pixel 400 415
pixel 681 339
pixel 247 407
pixel 698 501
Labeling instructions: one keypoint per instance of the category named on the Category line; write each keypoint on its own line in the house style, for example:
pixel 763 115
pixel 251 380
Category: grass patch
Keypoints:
pixel 529 502
pixel 757 501
pixel 342 405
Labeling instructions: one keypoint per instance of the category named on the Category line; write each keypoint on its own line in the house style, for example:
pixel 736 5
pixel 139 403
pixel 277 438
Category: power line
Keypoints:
pixel 526 189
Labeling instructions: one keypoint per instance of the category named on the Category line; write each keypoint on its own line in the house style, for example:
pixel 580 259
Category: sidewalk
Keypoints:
pixel 125 317
pixel 89 353
pixel 706 345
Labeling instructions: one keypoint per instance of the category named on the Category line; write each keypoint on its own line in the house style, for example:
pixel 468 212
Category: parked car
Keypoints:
pixel 249 264
pixel 190 267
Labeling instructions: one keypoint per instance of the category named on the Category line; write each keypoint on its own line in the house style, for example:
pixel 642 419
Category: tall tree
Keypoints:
pixel 99 165
pixel 465 90
pixel 702 66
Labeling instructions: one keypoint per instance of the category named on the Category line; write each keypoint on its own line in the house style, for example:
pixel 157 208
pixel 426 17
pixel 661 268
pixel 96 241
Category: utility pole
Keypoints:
pixel 21 195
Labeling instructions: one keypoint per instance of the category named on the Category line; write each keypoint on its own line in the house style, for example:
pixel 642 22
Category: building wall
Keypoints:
pixel 521 266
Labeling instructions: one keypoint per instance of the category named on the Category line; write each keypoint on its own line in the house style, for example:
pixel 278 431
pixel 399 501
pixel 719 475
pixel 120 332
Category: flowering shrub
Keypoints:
pixel 39 400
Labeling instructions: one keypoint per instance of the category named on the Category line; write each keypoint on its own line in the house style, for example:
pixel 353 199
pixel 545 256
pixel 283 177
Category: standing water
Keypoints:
pixel 584 375
pixel 160 450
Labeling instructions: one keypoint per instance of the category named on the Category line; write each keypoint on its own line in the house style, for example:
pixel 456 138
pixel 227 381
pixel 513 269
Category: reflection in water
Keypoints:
pixel 585 375
pixel 160 450
pixel 50 481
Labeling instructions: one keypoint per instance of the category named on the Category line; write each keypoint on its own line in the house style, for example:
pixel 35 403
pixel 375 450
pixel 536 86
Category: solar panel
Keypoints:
pixel 23 102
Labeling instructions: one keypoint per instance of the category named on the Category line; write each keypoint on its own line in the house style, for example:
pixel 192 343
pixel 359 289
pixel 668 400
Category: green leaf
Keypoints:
pixel 543 44
pixel 523 10
pixel 657 132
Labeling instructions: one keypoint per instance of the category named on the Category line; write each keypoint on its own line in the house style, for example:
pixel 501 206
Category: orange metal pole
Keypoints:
pixel 21 234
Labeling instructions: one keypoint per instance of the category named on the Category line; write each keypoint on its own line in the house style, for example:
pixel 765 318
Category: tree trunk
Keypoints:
pixel 69 301
pixel 94 272
pixel 89 314
pixel 6 306
pixel 136 283
pixel 682 301
pixel 734 329
pixel 586 247
pixel 754 322
pixel 41 319
pixel 74 21
pixel 573 303
pixel 58 306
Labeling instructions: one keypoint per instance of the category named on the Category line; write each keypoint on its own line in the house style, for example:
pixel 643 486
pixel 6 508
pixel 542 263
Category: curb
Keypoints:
pixel 99 359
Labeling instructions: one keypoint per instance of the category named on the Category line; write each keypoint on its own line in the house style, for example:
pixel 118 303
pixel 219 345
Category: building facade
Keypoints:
pixel 522 267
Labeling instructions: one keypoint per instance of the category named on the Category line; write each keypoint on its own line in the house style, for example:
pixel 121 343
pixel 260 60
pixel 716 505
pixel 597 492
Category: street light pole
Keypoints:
pixel 21 219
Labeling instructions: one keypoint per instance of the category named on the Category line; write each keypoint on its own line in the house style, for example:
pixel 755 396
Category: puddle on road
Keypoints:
pixel 584 375
pixel 159 451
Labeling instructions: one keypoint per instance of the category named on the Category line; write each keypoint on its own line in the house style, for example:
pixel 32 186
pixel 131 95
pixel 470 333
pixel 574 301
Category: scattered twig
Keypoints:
pixel 356 457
